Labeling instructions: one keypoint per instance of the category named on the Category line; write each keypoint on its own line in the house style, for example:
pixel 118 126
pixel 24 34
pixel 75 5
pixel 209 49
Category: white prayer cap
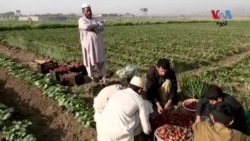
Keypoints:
pixel 84 5
pixel 137 81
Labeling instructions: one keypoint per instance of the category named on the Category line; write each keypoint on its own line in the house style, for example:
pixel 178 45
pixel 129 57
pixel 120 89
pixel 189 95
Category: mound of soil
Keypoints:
pixel 50 122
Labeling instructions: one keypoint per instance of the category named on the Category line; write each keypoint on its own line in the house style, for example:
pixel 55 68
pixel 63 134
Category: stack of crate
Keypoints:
pixel 44 66
pixel 75 74
pixel 68 74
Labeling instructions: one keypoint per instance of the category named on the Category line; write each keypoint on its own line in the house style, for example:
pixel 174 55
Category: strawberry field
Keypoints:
pixel 216 55
pixel 188 45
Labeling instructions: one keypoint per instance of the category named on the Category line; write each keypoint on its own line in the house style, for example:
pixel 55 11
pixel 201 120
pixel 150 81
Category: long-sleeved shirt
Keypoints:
pixel 204 131
pixel 154 82
pixel 91 41
pixel 239 118
pixel 103 96
pixel 124 112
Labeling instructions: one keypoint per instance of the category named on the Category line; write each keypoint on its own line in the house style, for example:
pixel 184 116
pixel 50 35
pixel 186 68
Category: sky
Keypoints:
pixel 155 7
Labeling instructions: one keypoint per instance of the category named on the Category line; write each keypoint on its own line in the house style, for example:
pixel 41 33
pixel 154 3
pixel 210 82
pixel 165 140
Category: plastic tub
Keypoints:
pixel 188 102
pixel 158 138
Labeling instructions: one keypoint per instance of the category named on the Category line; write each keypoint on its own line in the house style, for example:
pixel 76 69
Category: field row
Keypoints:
pixel 12 128
pixel 82 110
pixel 235 79
pixel 237 73
pixel 188 45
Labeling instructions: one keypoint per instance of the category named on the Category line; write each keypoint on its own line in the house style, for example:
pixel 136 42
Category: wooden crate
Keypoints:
pixel 71 78
pixel 60 70
pixel 45 67
pixel 76 66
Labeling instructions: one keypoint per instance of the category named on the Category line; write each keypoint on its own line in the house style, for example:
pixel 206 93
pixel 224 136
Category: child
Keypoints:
pixel 222 116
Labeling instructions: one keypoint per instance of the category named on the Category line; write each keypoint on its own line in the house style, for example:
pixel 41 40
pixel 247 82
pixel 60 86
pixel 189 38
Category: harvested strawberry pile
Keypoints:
pixel 173 118
pixel 61 69
pixel 173 133
pixel 76 66
pixel 173 125
pixel 70 73
pixel 191 106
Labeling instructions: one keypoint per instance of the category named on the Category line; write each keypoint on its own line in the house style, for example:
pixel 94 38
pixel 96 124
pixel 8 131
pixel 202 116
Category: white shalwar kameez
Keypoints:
pixel 92 45
pixel 122 115
pixel 101 100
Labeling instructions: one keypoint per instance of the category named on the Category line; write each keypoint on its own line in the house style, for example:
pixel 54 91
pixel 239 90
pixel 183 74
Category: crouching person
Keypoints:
pixel 104 95
pixel 213 95
pixel 222 116
pixel 124 114
pixel 161 85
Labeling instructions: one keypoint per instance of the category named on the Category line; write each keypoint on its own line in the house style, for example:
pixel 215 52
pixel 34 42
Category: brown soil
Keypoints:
pixel 50 122
pixel 54 123
pixel 27 58
pixel 227 61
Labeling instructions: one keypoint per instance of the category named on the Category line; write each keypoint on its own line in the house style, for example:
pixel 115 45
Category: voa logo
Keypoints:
pixel 217 14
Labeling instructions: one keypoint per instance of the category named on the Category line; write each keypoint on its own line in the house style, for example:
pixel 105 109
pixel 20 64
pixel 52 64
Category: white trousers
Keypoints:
pixel 101 68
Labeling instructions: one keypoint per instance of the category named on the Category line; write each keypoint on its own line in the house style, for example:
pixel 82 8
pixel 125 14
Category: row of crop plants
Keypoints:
pixel 185 44
pixel 24 25
pixel 13 129
pixel 81 110
pixel 143 47
pixel 236 77
pixel 237 73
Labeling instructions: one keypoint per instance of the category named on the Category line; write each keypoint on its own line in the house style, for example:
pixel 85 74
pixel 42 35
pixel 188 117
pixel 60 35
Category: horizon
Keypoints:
pixel 155 8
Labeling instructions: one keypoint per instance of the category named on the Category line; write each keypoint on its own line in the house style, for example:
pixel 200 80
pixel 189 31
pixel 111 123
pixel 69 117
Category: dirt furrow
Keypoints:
pixel 50 122
pixel 227 61
pixel 60 124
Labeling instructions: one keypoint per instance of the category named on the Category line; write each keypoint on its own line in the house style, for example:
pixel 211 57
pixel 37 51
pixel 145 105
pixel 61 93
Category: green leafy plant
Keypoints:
pixel 17 131
pixel 5 113
pixel 193 85
pixel 83 111
pixel 13 130
pixel 229 89
pixel 141 43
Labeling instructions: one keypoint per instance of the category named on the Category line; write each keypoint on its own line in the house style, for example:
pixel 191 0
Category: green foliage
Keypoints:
pixel 82 110
pixel 144 43
pixel 238 72
pixel 5 113
pixel 24 25
pixel 193 85
pixel 188 44
pixel 238 75
pixel 17 131
pixel 14 130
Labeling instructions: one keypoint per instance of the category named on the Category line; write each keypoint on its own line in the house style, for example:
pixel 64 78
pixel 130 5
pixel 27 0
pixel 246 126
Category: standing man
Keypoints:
pixel 124 114
pixel 92 43
pixel 161 85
